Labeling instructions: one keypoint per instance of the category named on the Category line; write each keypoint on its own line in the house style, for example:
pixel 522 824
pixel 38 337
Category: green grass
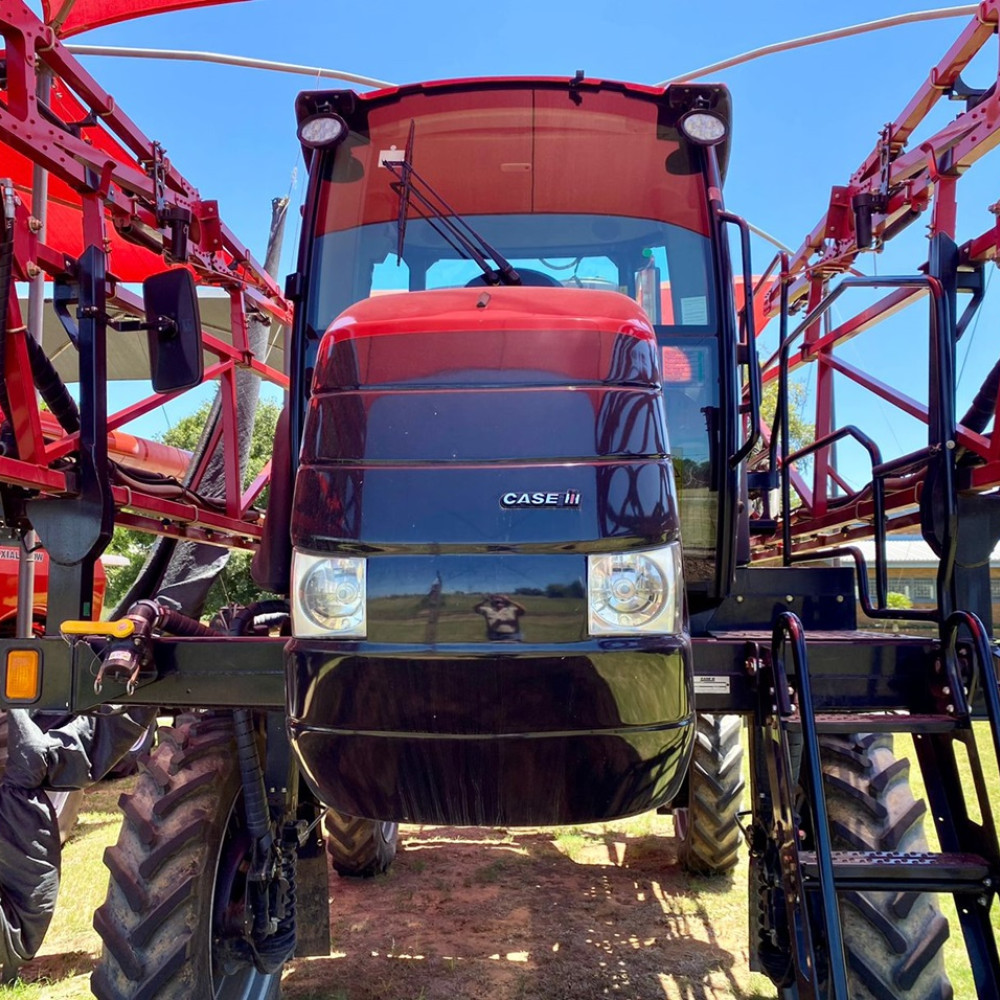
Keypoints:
pixel 956 957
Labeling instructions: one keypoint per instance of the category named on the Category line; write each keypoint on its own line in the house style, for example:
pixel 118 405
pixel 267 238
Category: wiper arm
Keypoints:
pixel 445 221
pixel 405 186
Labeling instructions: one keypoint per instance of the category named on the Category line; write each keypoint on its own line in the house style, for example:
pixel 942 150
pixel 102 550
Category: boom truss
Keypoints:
pixel 893 186
pixel 114 191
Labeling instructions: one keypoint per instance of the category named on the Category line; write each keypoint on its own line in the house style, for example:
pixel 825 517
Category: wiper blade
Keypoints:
pixel 405 186
pixel 452 228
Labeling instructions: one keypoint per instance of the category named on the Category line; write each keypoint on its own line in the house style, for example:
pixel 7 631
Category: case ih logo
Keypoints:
pixel 567 499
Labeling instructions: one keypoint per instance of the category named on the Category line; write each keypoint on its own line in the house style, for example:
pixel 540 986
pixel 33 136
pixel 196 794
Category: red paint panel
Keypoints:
pixel 576 334
pixel 517 150
pixel 70 17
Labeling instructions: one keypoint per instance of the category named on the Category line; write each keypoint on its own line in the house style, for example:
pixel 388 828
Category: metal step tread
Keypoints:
pixel 878 869
pixel 880 722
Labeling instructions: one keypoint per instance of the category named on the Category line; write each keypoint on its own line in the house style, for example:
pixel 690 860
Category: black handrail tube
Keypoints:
pixel 749 340
pixel 788 627
pixel 864 596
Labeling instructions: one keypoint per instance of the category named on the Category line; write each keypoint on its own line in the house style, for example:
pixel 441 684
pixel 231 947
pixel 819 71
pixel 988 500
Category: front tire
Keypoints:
pixel 708 829
pixel 178 876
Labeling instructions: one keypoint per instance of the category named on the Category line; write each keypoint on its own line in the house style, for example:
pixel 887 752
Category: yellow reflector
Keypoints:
pixel 23 675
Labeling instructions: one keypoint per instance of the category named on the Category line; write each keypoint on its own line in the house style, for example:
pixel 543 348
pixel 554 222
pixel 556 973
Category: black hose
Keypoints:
pixel 981 410
pixel 52 388
pixel 271 611
pixel 178 624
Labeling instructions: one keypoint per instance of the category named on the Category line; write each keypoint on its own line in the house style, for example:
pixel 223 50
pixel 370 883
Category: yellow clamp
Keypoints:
pixel 120 629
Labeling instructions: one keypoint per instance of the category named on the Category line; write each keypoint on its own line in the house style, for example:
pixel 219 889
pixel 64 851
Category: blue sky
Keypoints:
pixel 803 120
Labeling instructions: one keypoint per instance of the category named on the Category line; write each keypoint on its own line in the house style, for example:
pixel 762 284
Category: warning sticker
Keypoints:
pixel 709 684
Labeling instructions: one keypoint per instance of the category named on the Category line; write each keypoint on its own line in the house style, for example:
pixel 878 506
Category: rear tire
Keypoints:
pixel 178 876
pixel 893 940
pixel 359 848
pixel 708 828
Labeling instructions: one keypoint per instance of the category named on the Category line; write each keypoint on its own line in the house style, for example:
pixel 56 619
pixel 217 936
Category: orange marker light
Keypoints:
pixel 23 675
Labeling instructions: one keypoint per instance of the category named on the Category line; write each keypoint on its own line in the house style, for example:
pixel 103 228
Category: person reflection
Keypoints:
pixel 433 601
pixel 503 617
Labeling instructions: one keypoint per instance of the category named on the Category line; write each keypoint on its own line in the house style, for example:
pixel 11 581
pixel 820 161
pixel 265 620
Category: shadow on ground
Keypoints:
pixel 470 913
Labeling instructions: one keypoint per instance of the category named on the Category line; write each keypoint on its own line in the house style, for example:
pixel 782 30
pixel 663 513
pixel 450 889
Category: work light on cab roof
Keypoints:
pixel 703 128
pixel 322 130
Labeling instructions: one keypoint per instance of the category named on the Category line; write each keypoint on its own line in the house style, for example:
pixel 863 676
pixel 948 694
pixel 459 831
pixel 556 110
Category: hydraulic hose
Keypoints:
pixel 52 388
pixel 981 410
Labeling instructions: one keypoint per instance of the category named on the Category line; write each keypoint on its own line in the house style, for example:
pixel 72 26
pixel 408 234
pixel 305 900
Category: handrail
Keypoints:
pixel 788 628
pixel 748 344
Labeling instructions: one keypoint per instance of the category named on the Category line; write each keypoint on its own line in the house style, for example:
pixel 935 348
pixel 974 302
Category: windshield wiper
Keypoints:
pixel 444 220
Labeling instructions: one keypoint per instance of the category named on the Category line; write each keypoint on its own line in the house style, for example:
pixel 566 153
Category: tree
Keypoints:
pixel 234 584
pixel 800 433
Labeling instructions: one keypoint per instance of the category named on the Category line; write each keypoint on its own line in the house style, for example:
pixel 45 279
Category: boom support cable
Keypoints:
pixel 914 17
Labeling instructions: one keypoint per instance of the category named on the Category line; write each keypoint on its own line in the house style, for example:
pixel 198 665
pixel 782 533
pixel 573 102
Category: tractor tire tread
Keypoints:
pixel 156 923
pixel 893 941
pixel 712 836
pixel 358 848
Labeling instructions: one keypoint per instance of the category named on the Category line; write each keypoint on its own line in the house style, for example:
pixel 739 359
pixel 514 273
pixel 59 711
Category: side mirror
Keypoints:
pixel 174 330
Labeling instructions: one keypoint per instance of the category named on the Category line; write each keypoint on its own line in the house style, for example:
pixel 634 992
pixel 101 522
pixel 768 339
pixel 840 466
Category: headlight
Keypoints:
pixel 636 592
pixel 329 596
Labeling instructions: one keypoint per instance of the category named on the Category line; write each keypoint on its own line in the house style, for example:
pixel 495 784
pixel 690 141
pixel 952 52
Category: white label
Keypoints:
pixel 392 155
pixel 704 684
pixel 694 311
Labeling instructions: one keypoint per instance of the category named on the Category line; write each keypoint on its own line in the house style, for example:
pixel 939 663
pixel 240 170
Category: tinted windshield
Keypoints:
pixel 665 268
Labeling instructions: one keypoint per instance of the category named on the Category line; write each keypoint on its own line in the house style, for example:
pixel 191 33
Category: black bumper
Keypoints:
pixel 535 736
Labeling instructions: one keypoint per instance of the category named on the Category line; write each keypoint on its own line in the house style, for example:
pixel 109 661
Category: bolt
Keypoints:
pixel 950 445
pixel 739 598
pixel 950 709
pixel 946 689
pixel 789 598
pixel 32 270
pixel 840 598
pixel 34 225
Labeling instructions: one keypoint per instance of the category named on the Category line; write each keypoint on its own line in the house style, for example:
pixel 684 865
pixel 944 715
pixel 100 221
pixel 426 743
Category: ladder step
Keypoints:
pixel 887 871
pixel 880 722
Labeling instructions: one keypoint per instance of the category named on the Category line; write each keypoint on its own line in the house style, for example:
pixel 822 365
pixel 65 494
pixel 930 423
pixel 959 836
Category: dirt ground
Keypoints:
pixel 473 914
pixel 534 915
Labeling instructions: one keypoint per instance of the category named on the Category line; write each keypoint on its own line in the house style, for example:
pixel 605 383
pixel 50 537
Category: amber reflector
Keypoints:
pixel 23 675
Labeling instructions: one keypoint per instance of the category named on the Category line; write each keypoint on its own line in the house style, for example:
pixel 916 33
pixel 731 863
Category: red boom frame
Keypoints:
pixel 114 185
pixel 890 189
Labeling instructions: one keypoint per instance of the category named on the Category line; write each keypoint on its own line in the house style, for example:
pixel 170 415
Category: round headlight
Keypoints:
pixel 321 130
pixel 626 590
pixel 331 594
pixel 703 128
